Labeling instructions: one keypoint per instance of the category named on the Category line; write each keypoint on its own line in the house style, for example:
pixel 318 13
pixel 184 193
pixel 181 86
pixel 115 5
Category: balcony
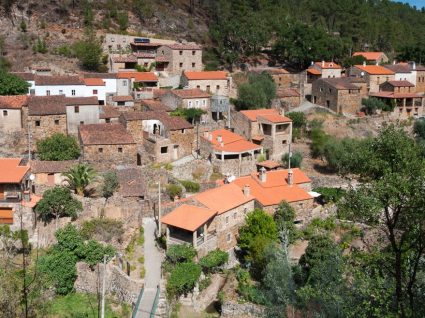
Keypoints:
pixel 12 197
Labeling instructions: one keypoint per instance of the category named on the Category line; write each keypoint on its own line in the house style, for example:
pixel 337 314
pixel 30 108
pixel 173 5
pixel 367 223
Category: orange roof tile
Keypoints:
pixel 231 142
pixel 13 102
pixel 374 69
pixel 94 82
pixel 255 113
pixel 314 71
pixel 139 76
pixel 223 198
pixel 206 75
pixel 275 118
pixel 370 56
pixel 331 65
pixel 11 171
pixel 188 217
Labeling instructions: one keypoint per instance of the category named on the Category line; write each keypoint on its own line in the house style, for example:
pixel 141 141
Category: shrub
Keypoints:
pixel 190 186
pixel 298 119
pixel 318 141
pixel 58 147
pixel 102 229
pixel 330 195
pixel 257 93
pixel 180 253
pixel 190 114
pixel 213 260
pixel 110 184
pixel 183 279
pixel 11 84
pixel 296 159
pixel 370 105
pixel 174 190
pixel 419 128
pixel 204 283
pixel 89 52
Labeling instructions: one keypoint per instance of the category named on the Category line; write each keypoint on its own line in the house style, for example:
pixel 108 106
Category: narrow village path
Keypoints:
pixel 153 259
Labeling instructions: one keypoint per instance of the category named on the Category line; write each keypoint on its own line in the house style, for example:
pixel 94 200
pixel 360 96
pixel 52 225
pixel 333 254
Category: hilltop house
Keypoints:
pixel 179 57
pixel 11 115
pixel 373 75
pixel 266 128
pixel 373 57
pixel 229 152
pixel 214 82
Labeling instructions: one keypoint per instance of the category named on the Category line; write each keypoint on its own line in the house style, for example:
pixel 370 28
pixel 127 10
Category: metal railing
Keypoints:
pixel 139 299
pixel 155 303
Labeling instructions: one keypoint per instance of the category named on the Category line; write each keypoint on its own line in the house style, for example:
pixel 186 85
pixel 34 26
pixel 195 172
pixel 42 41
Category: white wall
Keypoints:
pixel 411 77
pixel 80 90
pixel 148 125
pixel 89 114
pixel 12 121
pixel 123 87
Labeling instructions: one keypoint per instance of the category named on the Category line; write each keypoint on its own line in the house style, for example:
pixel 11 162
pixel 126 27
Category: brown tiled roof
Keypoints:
pixel 71 101
pixel 269 164
pixel 190 93
pixel 26 76
pixel 162 59
pixel 288 92
pixel 176 123
pixel 104 134
pixel 38 166
pixel 400 83
pixel 46 105
pixel 143 55
pixel 58 80
pixel 171 122
pixel 100 75
pixel 399 67
pixel 125 98
pixel 13 102
pixel 108 112
pixel 343 83
pixel 125 59
pixel 154 105
pixel 158 92
pixel 206 75
pixel 132 183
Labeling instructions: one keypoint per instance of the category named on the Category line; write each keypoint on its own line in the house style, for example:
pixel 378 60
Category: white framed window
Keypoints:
pixel 60 92
pixel 73 92
pixel 204 102
pixel 48 92
pixel 124 83
pixel 197 103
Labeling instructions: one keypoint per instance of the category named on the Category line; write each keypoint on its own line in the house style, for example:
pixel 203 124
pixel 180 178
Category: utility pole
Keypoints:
pixel 29 142
pixel 289 157
pixel 159 208
pixel 102 315
pixel 197 140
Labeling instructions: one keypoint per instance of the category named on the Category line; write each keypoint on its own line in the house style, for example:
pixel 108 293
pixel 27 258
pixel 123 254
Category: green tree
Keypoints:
pixel 122 19
pixel 57 202
pixel 142 9
pixel 11 84
pixel 110 184
pixel 79 178
pixel 298 119
pixel 284 219
pixel 89 52
pixel 319 139
pixel 182 279
pixel 213 260
pixel 419 128
pixel 370 105
pixel 296 159
pixel 190 114
pixel 258 92
pixel 93 252
pixel 58 147
pixel 180 253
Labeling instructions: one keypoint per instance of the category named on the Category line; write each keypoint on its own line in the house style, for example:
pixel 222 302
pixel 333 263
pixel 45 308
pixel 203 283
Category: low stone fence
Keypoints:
pixel 230 309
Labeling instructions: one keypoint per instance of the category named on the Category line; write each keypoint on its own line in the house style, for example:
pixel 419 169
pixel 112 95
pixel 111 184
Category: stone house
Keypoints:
pixel 139 84
pixel 220 107
pixel 282 77
pixel 400 86
pixel 374 75
pixel 122 100
pixel 230 153
pixel 326 69
pixel 131 183
pixel 108 114
pixel 49 173
pixel 266 128
pixel 46 115
pixel 289 98
pixel 110 143
pixel 214 82
pixel 153 105
pixel 187 98
pixel 373 57
pixel 420 78
pixel 270 188
pixel 11 118
pixel 80 111
pixel 178 57
pixel 403 71
pixel 342 95
pixel 210 220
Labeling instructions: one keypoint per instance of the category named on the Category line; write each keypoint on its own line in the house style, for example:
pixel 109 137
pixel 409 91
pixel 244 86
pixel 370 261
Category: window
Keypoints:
pixel 121 103
pixel 321 89
pixel 198 86
pixel 193 65
pixel 208 88
pixel 56 121
pixel 204 102
pixel 119 149
pixel 181 52
pixel 234 216
pixel 95 92
pixel 164 149
pixel 330 91
pixel 145 64
pixel 48 93
pixel 182 131
pixel 60 92
pixel 217 87
pixel 107 120
pixel 197 103
pixel 180 65
pixel 81 122
pixel 189 104
pixel 227 220
pixel 229 237
pixel 5 113
pixel 76 109
pixel 100 150
pixel 284 142
pixel 73 92
pixel 377 79
pixel 193 52
pixel 37 123
pixel 124 83
pixel 162 52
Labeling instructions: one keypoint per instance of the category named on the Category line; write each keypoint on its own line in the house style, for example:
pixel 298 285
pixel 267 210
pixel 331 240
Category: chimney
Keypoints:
pixel 262 175
pixel 220 139
pixel 414 66
pixel 394 62
pixel 323 63
pixel 290 177
pixel 377 63
pixel 246 190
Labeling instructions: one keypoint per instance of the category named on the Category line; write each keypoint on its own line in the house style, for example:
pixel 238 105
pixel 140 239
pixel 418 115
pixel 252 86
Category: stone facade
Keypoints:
pixel 117 154
pixel 184 139
pixel 230 309
pixel 420 80
pixel 372 80
pixel 219 87
pixel 45 126
pixel 180 59
pixel 173 101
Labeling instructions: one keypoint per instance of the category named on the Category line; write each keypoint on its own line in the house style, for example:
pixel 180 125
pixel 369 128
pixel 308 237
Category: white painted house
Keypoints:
pixel 68 85
pixel 80 111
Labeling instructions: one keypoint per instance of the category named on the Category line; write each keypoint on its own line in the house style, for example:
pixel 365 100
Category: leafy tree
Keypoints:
pixel 142 9
pixel 110 184
pixel 330 194
pixel 257 93
pixel 190 114
pixel 180 253
pixel 11 84
pixel 284 218
pixel 174 190
pixel 89 52
pixel 182 279
pixel 122 19
pixel 58 147
pixel 370 105
pixel 93 252
pixel 298 119
pixel 419 128
pixel 213 260
pixel 319 139
pixel 296 159
pixel 79 177
pixel 57 202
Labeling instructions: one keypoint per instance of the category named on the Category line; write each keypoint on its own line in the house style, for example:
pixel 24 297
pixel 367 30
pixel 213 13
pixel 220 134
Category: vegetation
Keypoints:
pixel 40 46
pixel 110 184
pixel 57 202
pixel 190 186
pixel 299 123
pixel 174 190
pixel 284 218
pixel 102 229
pixel 330 195
pixel 213 260
pixel 180 253
pixel 58 147
pixel 419 129
pixel 258 92
pixel 11 84
pixel 182 279
pixel 79 177
pixel 89 52
pixel 296 159
pixel 370 105
pixel 192 115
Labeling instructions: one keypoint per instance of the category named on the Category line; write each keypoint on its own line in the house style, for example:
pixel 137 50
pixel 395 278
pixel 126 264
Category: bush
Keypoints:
pixel 110 184
pixel 298 119
pixel 174 190
pixel 190 114
pixel 182 279
pixel 102 229
pixel 58 147
pixel 64 50
pixel 318 141
pixel 89 52
pixel 257 93
pixel 419 128
pixel 213 260
pixel 204 283
pixel 190 186
pixel 40 46
pixel 296 159
pixel 370 105
pixel 330 195
pixel 11 84
pixel 180 253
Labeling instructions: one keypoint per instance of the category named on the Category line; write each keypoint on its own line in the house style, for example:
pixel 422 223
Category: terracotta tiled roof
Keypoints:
pixel 13 102
pixel 400 83
pixel 44 80
pixel 11 171
pixel 313 71
pixel 231 142
pixel 287 92
pixel 158 92
pixel 100 75
pixel 38 166
pixel 104 134
pixel 26 76
pixel 374 69
pixel 328 65
pixel 188 217
pixel 269 164
pixel 343 83
pixel 276 189
pixel 81 101
pixel 190 93
pixel 139 76
pixel 223 198
pixel 206 75
pixel 46 105
pixel 154 105
pixel 253 114
pixel 108 112
pixel 125 59
pixel 275 118
pixel 94 82
pixel 370 56
pixel 162 59
pixel 395 95
pixel 182 46
pixel 132 183
pixel 125 98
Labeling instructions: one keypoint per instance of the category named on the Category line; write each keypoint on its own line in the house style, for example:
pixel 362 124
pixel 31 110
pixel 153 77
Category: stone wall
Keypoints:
pixel 48 125
pixel 111 153
pixel 10 120
pixel 219 87
pixel 420 81
pixel 242 125
pixel 185 140
pixel 135 128
pixel 195 169
pixel 286 80
pixel 231 309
